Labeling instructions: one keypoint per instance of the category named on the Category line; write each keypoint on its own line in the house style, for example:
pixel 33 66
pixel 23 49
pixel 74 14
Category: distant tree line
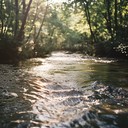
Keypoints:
pixel 33 28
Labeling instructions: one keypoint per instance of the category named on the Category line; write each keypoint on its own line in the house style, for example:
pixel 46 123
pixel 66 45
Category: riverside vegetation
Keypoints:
pixel 34 28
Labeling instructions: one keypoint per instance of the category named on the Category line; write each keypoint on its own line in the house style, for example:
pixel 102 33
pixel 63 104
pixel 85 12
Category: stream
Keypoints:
pixel 64 91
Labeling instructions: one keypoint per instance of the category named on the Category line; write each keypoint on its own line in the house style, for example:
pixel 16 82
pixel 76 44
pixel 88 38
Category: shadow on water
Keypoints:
pixel 64 91
pixel 110 74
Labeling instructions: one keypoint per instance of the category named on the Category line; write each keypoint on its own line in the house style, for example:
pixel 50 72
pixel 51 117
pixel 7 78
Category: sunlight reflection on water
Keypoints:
pixel 59 79
pixel 78 70
pixel 54 88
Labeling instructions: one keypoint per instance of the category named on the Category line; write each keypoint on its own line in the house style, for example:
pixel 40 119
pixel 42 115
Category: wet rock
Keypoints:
pixel 8 95
pixel 67 92
pixel 72 101
pixel 62 125
pixel 24 125
pixel 108 92
pixel 102 117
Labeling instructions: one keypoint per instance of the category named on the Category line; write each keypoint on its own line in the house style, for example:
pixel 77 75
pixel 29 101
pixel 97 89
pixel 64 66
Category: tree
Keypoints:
pixel 16 17
pixel 13 19
pixel 107 15
pixel 20 35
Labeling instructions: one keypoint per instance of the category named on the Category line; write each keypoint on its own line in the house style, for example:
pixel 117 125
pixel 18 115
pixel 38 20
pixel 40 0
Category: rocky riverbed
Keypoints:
pixel 30 100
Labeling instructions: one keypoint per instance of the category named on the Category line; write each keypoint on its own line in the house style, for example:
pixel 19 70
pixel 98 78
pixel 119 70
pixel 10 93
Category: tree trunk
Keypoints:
pixel 87 13
pixel 116 22
pixel 108 18
pixel 36 36
pixel 16 17
pixel 20 36
pixel 42 22
pixel 33 26
pixel 1 17
pixel 120 12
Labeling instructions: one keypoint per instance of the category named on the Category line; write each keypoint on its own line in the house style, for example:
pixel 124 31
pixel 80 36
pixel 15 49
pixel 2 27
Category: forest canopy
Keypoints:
pixel 33 28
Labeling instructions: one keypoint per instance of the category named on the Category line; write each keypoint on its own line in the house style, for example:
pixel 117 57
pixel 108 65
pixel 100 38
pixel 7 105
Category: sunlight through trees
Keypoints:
pixel 34 28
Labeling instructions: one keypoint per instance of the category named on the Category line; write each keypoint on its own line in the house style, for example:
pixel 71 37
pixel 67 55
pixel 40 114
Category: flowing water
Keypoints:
pixel 64 91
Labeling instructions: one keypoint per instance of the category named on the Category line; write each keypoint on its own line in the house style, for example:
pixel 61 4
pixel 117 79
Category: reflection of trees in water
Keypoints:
pixel 110 74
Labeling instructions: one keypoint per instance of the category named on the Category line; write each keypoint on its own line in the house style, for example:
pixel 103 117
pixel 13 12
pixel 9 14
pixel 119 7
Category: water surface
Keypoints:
pixel 77 70
pixel 53 92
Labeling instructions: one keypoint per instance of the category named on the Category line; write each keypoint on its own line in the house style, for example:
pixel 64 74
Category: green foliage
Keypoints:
pixel 13 15
pixel 33 28
pixel 108 25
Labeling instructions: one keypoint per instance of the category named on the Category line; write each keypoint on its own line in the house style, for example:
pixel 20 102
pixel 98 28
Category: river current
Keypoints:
pixel 64 91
